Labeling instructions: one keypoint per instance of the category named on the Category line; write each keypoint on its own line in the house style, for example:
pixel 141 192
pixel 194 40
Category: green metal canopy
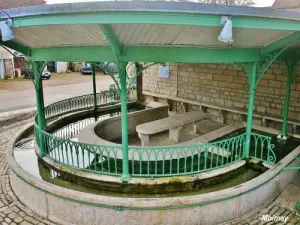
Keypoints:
pixel 154 32
pixel 150 31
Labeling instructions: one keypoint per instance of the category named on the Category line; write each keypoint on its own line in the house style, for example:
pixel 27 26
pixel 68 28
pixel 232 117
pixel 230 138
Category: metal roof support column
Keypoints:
pixel 255 73
pixel 290 64
pixel 124 97
pixel 38 69
pixel 94 85
pixel 252 74
pixel 118 49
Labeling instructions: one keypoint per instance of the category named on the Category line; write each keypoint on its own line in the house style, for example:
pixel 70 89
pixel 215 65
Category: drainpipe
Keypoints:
pixel 139 83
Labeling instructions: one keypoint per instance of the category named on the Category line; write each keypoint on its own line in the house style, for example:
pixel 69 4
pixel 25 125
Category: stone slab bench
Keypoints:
pixel 223 110
pixel 174 124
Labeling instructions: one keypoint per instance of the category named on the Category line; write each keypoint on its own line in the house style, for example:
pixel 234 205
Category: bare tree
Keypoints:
pixel 229 2
pixel 221 2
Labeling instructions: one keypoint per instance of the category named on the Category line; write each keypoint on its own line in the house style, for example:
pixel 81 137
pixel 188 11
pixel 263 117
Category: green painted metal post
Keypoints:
pixel 40 105
pixel 290 69
pixel 124 96
pixel 252 86
pixel 139 83
pixel 94 86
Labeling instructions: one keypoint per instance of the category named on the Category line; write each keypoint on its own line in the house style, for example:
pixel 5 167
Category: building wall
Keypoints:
pixel 292 5
pixel 5 56
pixel 61 67
pixel 226 85
pixel 7 4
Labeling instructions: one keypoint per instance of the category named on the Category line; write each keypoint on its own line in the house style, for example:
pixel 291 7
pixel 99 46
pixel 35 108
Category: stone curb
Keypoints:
pixel 196 199
pixel 16 113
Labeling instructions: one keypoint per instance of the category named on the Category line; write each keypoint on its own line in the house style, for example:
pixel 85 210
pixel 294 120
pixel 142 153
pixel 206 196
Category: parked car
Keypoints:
pixel 46 74
pixel 86 70
pixel 102 67
pixel 28 74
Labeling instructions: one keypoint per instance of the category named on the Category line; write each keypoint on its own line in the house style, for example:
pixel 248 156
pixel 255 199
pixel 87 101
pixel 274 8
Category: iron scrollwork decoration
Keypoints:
pixel 272 155
pixel 133 70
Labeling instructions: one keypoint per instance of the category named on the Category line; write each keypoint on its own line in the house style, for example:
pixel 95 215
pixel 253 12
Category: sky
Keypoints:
pixel 261 3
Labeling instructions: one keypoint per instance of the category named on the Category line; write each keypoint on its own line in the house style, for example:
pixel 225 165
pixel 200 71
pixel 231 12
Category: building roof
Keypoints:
pixel 150 31
pixel 292 5
pixel 8 4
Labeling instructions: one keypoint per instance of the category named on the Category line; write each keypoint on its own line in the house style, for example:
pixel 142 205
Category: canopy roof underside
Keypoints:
pixel 151 31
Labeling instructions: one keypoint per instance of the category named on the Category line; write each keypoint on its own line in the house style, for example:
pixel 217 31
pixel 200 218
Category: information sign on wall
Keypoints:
pixel 164 71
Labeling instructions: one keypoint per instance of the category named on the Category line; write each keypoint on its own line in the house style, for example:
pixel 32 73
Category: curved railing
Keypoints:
pixel 145 161
pixel 85 102
pixel 262 148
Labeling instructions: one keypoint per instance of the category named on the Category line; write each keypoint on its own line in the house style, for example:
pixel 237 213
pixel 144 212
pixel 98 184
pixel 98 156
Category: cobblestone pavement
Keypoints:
pixel 12 211
pixel 274 209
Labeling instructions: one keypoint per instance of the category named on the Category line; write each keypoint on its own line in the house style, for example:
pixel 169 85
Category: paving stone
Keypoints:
pixel 25 223
pixel 7 220
pixel 12 215
pixel 18 219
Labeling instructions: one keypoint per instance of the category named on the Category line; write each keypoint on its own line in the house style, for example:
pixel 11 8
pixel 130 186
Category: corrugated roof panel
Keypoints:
pixel 60 35
pixel 151 34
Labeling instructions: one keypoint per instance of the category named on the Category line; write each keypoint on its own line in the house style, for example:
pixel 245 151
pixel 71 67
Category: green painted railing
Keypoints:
pixel 146 161
pixel 182 160
pixel 262 148
pixel 85 102
pixel 156 161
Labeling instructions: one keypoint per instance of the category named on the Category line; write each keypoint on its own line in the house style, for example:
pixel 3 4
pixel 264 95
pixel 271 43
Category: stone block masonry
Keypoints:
pixel 226 85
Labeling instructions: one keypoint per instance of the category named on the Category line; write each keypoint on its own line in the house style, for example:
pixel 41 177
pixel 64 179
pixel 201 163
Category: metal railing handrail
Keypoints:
pixel 151 161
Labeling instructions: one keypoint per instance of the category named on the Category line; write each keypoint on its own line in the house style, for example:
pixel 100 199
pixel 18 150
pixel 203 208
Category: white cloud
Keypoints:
pixel 264 3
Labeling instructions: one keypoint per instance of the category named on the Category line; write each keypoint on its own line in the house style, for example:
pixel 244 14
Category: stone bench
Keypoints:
pixel 223 110
pixel 174 124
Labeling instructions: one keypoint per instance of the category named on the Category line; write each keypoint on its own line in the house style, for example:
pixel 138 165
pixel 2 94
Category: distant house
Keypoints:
pixel 8 4
pixel 6 63
pixel 9 64
pixel 57 67
pixel 292 5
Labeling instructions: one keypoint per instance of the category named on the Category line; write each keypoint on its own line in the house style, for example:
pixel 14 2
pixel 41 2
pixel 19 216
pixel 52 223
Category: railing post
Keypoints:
pixel 252 86
pixel 94 85
pixel 290 68
pixel 40 105
pixel 124 96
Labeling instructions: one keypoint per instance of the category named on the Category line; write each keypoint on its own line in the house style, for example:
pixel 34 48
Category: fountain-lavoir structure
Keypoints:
pixel 87 165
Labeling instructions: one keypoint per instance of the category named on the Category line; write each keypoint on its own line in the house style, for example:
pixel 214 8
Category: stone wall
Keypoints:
pixel 226 85
pixel 292 5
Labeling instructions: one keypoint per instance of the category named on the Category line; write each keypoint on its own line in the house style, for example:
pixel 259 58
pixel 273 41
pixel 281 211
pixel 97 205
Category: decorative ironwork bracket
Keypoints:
pixel 137 71
pixel 132 72
pixel 263 65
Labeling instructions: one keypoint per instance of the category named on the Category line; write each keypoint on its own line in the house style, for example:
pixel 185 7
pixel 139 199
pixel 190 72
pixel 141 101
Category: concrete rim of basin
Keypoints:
pixel 145 203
